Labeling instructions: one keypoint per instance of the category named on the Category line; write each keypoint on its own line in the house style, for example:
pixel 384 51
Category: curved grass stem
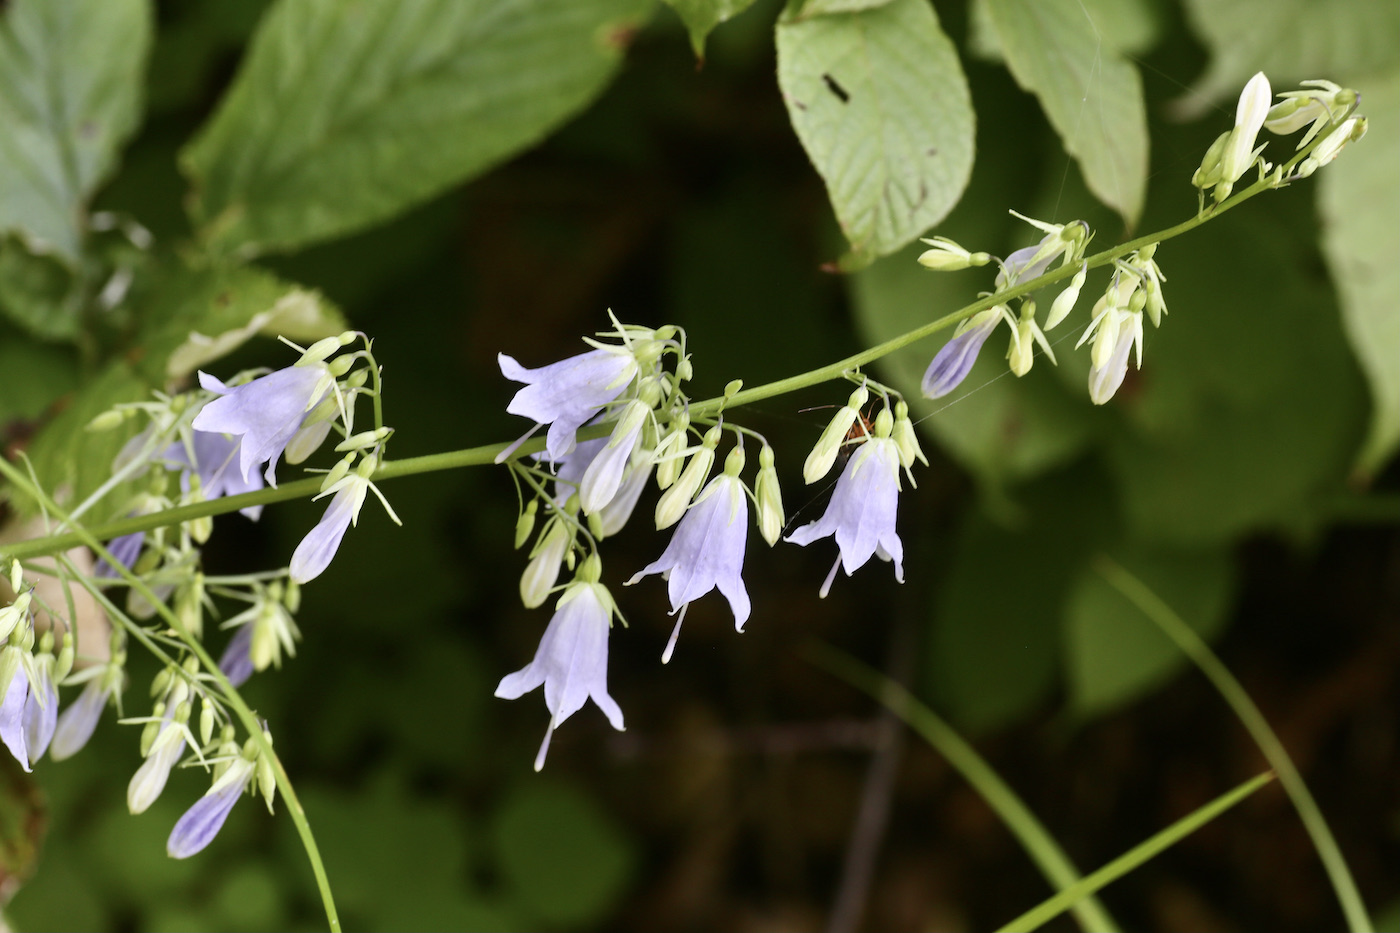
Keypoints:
pixel 1191 644
pixel 1052 861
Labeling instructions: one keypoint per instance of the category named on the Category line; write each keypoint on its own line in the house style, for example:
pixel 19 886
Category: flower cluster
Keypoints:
pixel 222 439
pixel 1328 110
pixel 629 394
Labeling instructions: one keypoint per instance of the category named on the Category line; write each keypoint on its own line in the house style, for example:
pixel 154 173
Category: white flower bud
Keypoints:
pixel 1065 300
pixel 770 498
pixel 906 438
pixel 543 569
pixel 823 454
pixel 675 500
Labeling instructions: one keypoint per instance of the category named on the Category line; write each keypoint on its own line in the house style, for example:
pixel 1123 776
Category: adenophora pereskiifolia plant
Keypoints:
pixel 615 415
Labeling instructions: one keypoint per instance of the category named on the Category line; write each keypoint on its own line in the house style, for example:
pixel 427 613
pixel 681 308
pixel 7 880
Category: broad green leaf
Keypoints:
pixel 32 376
pixel 71 461
pixel 70 87
pixel 206 314
pixel 1091 94
pixel 1129 26
pixel 1249 409
pixel 347 112
pixel 1290 41
pixel 37 291
pixel 702 16
pixel 879 101
pixel 823 7
pixel 1114 653
pixel 1359 200
pixel 398 858
pixel 562 859
pixel 993 650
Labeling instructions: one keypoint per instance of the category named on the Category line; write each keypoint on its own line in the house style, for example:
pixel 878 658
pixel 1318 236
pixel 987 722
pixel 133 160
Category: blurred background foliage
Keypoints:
pixel 1246 472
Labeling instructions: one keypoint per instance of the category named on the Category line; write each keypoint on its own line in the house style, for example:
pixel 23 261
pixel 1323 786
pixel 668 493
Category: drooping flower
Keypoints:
pixel 169 743
pixel 270 630
pixel 216 461
pixel 572 659
pixel 707 550
pixel 77 722
pixel 952 363
pixel 1106 377
pixel 863 507
pixel 126 549
pixel 236 662
pixel 313 555
pixel 602 478
pixel 565 394
pixel 40 707
pixel 1030 262
pixel 12 731
pixel 264 414
pixel 202 821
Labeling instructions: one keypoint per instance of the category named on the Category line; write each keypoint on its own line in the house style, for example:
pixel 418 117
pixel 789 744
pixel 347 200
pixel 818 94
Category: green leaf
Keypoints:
pixel 1091 94
pixel 1113 652
pixel 1290 41
pixel 1359 200
pixel 32 376
pixel 71 461
pixel 37 291
pixel 70 85
pixel 702 16
pixel 881 105
pixel 563 859
pixel 204 314
pixel 347 112
pixel 993 651
pixel 1249 408
pixel 823 7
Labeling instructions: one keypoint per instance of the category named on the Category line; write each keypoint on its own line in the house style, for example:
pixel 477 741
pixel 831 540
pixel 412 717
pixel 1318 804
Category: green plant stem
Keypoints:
pixel 479 456
pixel 245 714
pixel 1043 913
pixel 1052 861
pixel 1138 593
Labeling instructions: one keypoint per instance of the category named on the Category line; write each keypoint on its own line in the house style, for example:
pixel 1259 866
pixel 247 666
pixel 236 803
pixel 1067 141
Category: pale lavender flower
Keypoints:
pixel 40 710
pixel 236 663
pixel 216 462
pixel 572 659
pixel 265 413
pixel 952 364
pixel 1024 265
pixel 12 731
pixel 862 511
pixel 565 394
pixel 313 555
pixel 574 465
pixel 603 477
pixel 202 822
pixel 1104 380
pixel 77 722
pixel 149 779
pixel 707 551
pixel 126 549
